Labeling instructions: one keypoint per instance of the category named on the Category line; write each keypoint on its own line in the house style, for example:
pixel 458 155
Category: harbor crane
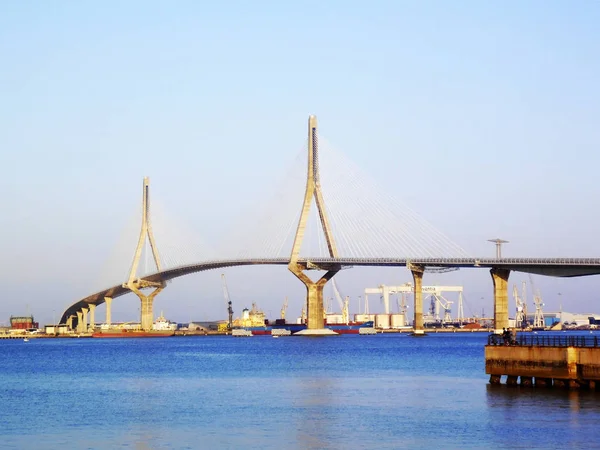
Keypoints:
pixel 538 318
pixel 227 301
pixel 284 309
pixel 407 288
pixel 521 306
pixel 438 301
pixel 337 294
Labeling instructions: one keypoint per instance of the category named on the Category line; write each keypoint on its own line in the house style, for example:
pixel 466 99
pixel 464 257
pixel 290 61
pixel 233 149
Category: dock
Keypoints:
pixel 569 362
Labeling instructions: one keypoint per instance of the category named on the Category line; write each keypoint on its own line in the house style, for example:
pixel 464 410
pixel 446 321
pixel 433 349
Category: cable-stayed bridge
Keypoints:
pixel 321 223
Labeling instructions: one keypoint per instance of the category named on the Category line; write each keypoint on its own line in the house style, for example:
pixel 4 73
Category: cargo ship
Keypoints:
pixel 254 321
pixel 125 333
pixel 161 328
pixel 339 328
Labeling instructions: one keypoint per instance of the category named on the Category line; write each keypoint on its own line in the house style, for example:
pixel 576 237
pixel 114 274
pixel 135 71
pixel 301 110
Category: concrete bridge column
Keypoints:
pixel 84 325
pixel 314 293
pixel 417 273
pixel 147 311
pixel 70 322
pixel 92 316
pixel 147 318
pixel 108 302
pixel 500 279
pixel 79 321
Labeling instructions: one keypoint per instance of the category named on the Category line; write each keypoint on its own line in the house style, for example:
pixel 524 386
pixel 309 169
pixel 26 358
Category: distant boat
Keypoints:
pixel 26 340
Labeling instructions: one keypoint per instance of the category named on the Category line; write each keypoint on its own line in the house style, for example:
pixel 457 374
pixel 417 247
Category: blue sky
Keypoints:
pixel 482 117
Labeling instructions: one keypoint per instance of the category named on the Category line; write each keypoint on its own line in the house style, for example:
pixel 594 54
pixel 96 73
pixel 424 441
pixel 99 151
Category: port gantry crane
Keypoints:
pixel 436 292
pixel 284 309
pixel 538 318
pixel 521 306
pixel 343 303
pixel 227 301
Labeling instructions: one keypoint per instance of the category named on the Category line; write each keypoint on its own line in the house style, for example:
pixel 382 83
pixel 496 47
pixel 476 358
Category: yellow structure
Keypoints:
pixel 500 279
pixel 250 318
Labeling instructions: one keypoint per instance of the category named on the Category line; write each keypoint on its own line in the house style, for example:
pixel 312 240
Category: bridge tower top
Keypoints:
pixel 146 231
pixel 313 189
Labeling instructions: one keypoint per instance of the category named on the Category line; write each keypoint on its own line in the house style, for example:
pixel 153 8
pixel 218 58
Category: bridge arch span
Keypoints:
pixel 556 267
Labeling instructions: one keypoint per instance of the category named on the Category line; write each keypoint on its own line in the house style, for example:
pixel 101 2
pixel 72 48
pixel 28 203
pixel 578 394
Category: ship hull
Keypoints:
pixel 351 328
pixel 132 334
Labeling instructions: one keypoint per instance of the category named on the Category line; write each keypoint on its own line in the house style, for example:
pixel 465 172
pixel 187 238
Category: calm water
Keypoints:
pixel 384 391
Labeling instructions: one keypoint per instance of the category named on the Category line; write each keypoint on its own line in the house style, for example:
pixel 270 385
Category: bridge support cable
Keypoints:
pixel 344 221
pixel 500 279
pixel 117 264
pixel 179 245
pixel 266 228
pixel 314 289
pixel 363 211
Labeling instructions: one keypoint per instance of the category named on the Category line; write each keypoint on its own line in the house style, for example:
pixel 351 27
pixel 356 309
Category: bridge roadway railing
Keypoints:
pixel 462 261
pixel 547 341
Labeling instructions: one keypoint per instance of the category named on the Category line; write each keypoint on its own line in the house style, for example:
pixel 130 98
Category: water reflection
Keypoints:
pixel 556 412
pixel 313 403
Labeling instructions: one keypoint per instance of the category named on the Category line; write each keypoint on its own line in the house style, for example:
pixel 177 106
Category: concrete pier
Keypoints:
pixel 79 321
pixel 108 303
pixel 560 366
pixel 417 273
pixel 500 279
pixel 84 324
pixel 92 316
pixel 314 292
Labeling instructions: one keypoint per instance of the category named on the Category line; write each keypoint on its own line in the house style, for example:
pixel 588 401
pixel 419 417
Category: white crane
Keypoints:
pixel 402 306
pixel 407 288
pixel 345 311
pixel 336 292
pixel 520 305
pixel 538 318
pixel 444 303
pixel 284 308
pixel 519 319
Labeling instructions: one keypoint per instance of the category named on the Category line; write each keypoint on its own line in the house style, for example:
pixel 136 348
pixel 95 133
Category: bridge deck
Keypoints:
pixel 557 267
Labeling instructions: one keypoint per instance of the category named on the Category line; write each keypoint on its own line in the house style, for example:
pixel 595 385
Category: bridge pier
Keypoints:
pixel 417 273
pixel 314 295
pixel 92 316
pixel 79 321
pixel 500 279
pixel 70 322
pixel 84 325
pixel 147 304
pixel 108 303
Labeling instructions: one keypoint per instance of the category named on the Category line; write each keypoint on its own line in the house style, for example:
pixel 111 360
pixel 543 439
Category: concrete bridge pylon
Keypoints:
pixel 314 289
pixel 136 284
